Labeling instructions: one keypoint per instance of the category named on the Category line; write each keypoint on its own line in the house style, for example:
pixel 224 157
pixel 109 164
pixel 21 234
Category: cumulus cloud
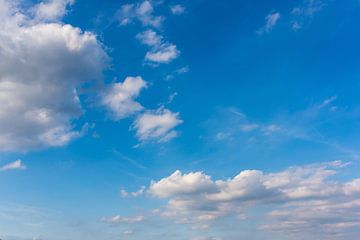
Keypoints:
pixel 305 198
pixel 16 165
pixel 51 10
pixel 157 125
pixel 42 66
pixel 119 97
pixel 161 51
pixel 177 9
pixel 143 12
pixel 271 21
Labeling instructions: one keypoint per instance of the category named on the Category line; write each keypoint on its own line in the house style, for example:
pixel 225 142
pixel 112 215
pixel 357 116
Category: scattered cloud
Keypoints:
pixel 143 12
pixel 177 9
pixel 157 125
pixel 303 13
pixel 40 74
pixel 128 232
pixel 119 98
pixel 138 193
pixel 270 22
pixel 16 165
pixel 161 51
pixel 119 220
pixel 150 38
pixel 178 71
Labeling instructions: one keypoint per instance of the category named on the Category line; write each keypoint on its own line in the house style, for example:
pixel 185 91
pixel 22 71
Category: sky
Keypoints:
pixel 179 120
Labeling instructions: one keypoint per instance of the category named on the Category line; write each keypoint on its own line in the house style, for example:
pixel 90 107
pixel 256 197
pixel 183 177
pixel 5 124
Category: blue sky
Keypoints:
pixel 180 120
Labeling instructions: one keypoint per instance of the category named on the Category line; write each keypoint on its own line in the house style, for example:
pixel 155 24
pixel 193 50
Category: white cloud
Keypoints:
pixel 150 38
pixel 271 21
pixel 143 12
pixel 41 67
pixel 119 97
pixel 306 199
pixel 177 9
pixel 157 125
pixel 16 165
pixel 330 219
pixel 51 10
pixel 165 54
pixel 118 219
pixel 161 51
pixel 178 184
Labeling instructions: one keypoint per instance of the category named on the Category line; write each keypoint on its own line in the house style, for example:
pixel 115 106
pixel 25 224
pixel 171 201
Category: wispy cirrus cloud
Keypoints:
pixel 270 22
pixel 16 165
pixel 118 219
pixel 303 13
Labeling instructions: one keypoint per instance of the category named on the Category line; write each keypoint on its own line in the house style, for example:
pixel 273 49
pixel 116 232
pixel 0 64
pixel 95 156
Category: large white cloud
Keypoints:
pixel 306 199
pixel 42 66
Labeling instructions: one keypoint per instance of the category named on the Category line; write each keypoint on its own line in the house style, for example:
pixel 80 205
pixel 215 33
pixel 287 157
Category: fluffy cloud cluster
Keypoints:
pixel 161 51
pixel 143 12
pixel 119 97
pixel 157 125
pixel 149 125
pixel 42 64
pixel 308 198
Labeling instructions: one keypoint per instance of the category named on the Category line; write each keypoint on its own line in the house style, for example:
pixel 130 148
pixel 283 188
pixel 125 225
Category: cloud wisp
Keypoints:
pixel 16 165
pixel 270 22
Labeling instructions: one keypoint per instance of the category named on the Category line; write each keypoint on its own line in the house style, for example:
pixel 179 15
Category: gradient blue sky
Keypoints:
pixel 191 120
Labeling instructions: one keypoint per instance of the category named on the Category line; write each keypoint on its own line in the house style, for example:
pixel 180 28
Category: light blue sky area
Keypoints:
pixel 179 120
